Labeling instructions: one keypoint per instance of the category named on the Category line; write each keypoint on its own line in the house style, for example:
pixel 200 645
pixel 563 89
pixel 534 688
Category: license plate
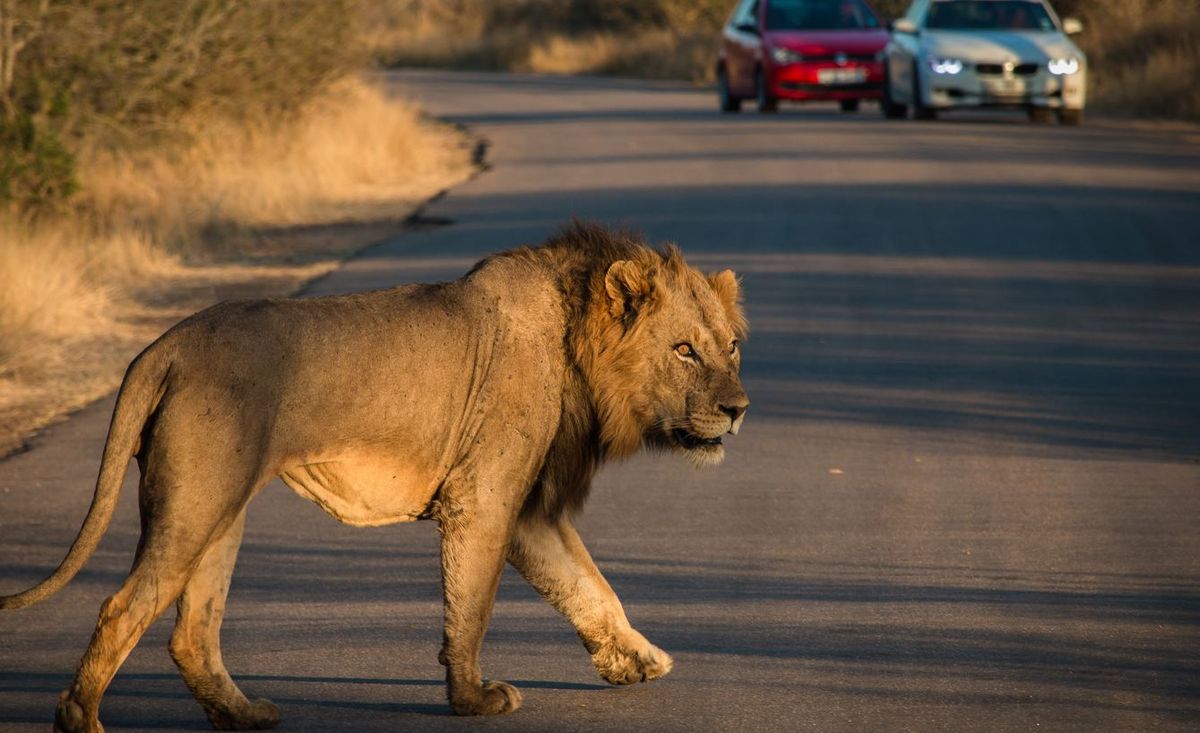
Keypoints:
pixel 841 76
pixel 1006 87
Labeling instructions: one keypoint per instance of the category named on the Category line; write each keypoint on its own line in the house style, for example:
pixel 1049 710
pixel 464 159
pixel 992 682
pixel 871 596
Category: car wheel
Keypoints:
pixel 1070 117
pixel 849 105
pixel 920 111
pixel 892 109
pixel 1039 115
pixel 766 103
pixel 729 103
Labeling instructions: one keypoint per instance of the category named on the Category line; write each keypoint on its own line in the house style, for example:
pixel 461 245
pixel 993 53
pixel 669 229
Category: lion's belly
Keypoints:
pixel 363 489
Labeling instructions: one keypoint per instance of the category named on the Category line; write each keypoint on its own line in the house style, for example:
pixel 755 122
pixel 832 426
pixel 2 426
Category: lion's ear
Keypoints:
pixel 729 291
pixel 629 288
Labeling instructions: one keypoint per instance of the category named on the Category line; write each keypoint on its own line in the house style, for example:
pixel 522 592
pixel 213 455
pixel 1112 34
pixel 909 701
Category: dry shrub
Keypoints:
pixel 351 154
pixel 47 291
pixel 653 54
pixel 80 294
pixel 1143 55
pixel 1162 86
pixel 661 39
pixel 62 280
pixel 66 323
pixel 123 73
pixel 153 155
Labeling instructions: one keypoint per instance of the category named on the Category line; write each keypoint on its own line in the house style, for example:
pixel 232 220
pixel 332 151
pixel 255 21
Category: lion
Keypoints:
pixel 486 404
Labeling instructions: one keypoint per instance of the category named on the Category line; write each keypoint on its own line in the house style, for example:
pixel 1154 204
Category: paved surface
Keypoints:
pixel 965 498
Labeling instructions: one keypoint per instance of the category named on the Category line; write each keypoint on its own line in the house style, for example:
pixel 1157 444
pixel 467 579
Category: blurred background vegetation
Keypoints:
pixel 105 74
pixel 1145 54
pixel 657 39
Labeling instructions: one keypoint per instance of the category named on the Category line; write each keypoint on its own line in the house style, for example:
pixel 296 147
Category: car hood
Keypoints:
pixel 823 43
pixel 998 46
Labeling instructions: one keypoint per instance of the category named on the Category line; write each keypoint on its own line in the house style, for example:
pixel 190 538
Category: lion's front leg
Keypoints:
pixel 550 555
pixel 474 543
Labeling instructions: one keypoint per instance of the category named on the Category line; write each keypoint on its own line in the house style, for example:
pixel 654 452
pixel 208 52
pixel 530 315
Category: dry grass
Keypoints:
pixel 651 54
pixel 661 39
pixel 46 292
pixel 157 235
pixel 351 154
pixel 647 54
pixel 1144 56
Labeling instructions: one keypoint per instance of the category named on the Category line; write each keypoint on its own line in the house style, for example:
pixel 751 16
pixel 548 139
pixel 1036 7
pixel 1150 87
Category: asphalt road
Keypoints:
pixel 965 498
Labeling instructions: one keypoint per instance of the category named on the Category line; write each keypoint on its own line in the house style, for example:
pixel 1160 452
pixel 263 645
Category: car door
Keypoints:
pixel 742 40
pixel 903 50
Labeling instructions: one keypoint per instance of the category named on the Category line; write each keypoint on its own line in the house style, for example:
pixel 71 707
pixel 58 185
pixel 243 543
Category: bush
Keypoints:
pixel 36 166
pixel 648 38
pixel 132 68
pixel 1143 55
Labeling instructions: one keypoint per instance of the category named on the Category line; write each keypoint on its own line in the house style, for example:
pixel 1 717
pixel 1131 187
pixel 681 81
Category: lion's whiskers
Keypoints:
pixel 672 423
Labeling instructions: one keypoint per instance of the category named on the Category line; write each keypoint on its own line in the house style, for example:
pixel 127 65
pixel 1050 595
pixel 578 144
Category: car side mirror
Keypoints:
pixel 750 28
pixel 904 25
pixel 1072 26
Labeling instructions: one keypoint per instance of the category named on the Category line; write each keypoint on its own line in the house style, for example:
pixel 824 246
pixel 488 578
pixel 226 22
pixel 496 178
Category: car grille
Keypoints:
pixel 998 69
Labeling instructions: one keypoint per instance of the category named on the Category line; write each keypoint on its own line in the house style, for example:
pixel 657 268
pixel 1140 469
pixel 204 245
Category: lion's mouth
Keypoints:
pixel 691 441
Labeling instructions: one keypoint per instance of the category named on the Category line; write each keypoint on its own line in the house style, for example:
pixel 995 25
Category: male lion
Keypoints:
pixel 486 404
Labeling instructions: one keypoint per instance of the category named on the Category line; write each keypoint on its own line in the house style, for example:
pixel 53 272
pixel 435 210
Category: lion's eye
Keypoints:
pixel 733 347
pixel 685 351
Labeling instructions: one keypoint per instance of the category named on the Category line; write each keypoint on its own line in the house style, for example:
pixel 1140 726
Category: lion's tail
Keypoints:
pixel 141 390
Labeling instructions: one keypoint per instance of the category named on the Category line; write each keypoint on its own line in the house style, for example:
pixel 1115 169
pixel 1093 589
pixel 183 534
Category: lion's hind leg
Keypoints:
pixel 159 573
pixel 196 641
pixel 550 555
pixel 182 515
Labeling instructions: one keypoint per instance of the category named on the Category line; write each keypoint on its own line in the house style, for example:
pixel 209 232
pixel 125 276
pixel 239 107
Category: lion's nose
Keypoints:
pixel 735 409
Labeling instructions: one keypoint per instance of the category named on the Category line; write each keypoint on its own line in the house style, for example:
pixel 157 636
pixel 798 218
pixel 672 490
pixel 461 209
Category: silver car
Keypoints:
pixel 948 54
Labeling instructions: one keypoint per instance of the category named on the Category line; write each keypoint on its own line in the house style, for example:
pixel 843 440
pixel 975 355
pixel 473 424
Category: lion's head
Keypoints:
pixel 666 356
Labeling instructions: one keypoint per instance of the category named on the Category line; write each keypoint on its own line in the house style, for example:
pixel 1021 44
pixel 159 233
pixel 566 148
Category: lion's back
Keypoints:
pixel 395 367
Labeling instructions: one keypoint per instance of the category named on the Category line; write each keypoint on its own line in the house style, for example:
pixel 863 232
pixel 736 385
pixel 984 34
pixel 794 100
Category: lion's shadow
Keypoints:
pixel 158 686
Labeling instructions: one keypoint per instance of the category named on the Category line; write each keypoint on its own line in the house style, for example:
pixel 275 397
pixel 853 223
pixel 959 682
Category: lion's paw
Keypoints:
pixel 70 718
pixel 494 698
pixel 625 665
pixel 258 715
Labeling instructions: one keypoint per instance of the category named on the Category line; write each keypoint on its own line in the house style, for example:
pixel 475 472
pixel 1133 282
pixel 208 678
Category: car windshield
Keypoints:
pixel 819 15
pixel 989 15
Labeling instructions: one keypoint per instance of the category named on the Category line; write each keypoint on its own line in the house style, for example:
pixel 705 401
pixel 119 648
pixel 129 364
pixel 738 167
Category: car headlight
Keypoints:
pixel 1064 67
pixel 786 55
pixel 945 65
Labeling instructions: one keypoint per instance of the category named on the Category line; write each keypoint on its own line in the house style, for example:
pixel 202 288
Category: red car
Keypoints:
pixel 801 50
